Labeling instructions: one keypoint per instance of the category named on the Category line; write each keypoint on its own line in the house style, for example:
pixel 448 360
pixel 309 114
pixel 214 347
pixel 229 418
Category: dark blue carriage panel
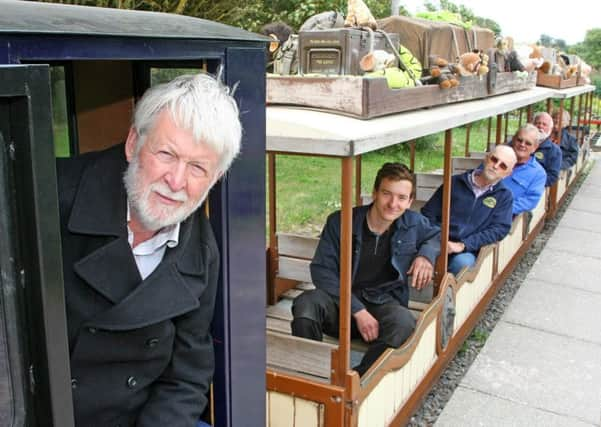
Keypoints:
pixel 238 217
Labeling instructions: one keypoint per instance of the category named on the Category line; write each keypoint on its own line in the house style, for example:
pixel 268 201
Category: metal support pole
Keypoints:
pixel 499 129
pixel 442 263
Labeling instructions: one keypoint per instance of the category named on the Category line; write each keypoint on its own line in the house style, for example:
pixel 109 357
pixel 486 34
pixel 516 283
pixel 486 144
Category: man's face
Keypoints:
pixel 544 123
pixel 170 176
pixel 497 166
pixel 524 144
pixel 392 199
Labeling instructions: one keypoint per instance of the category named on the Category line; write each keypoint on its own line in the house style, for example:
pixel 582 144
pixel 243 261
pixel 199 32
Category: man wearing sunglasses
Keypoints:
pixel 527 181
pixel 481 207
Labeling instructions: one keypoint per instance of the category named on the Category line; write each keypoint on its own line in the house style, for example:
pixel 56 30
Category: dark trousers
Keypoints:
pixel 316 312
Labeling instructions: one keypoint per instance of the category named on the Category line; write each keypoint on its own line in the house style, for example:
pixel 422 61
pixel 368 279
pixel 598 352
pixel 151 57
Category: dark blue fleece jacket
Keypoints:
pixel 548 154
pixel 474 221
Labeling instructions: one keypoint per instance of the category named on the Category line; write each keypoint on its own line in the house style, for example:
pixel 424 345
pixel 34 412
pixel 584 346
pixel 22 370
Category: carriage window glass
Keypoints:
pixel 163 75
pixel 60 118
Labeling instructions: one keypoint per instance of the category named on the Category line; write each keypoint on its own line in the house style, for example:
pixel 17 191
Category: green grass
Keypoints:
pixel 61 141
pixel 308 188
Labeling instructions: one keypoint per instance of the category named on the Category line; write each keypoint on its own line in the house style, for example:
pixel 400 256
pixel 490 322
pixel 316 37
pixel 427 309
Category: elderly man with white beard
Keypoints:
pixel 140 266
pixel 548 153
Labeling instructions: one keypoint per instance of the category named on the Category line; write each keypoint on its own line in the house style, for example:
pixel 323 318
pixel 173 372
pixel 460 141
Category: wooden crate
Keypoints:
pixel 555 82
pixel 366 98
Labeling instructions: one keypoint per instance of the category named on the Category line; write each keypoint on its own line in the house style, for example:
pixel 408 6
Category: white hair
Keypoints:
pixel 199 103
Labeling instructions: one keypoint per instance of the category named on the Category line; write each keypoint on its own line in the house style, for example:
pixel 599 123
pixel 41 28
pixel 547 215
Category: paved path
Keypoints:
pixel 541 365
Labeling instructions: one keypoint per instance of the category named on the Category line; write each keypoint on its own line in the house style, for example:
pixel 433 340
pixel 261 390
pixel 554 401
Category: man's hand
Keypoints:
pixel 421 270
pixel 455 247
pixel 367 325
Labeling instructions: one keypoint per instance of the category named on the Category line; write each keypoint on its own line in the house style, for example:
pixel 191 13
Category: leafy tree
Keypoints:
pixel 546 40
pixel 590 48
pixel 488 23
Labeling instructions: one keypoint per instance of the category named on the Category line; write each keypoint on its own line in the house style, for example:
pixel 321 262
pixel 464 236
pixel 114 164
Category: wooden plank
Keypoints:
pixel 426 184
pixel 281 310
pixel 367 98
pixel 296 245
pixel 556 82
pixel 299 354
pixel 463 164
pixel 294 269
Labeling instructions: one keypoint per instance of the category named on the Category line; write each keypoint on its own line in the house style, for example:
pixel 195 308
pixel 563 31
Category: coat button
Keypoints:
pixel 132 382
pixel 152 342
pixel 73 383
pixel 92 330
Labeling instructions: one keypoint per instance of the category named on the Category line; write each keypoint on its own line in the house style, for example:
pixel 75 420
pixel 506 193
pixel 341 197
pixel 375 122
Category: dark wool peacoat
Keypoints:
pixel 141 352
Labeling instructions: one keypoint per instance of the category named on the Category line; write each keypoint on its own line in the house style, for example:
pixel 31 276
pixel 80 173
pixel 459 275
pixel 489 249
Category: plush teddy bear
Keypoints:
pixel 472 64
pixel 359 15
pixel 440 73
pixel 377 60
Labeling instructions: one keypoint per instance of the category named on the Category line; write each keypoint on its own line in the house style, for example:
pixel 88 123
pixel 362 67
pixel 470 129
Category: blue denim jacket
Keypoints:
pixel 413 236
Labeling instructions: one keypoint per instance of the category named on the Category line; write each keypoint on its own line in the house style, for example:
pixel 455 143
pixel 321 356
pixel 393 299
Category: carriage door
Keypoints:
pixel 34 360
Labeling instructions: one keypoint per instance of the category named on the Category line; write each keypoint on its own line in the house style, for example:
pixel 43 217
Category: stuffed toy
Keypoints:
pixel 279 32
pixel 359 15
pixel 440 73
pixel 377 61
pixel 472 64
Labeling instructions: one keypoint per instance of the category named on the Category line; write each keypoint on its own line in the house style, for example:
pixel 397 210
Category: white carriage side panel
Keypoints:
pixel 484 278
pixel 562 183
pixel 307 413
pixel 395 388
pixel 572 174
pixel 538 212
pixel 281 410
pixel 511 243
pixel 579 160
pixel 267 409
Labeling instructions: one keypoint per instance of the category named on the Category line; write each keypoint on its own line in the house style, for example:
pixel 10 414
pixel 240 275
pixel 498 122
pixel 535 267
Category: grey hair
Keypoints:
pixel 199 103
pixel 540 114
pixel 530 128
pixel 565 118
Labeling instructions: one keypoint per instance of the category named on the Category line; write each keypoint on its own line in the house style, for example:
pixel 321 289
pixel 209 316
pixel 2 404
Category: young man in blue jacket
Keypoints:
pixel 548 153
pixel 480 208
pixel 527 181
pixel 390 244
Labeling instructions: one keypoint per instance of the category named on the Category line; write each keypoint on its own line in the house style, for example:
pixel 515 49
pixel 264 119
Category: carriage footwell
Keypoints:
pixel 540 365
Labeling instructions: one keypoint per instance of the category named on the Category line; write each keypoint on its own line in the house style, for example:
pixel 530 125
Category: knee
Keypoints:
pixel 458 261
pixel 398 327
pixel 308 305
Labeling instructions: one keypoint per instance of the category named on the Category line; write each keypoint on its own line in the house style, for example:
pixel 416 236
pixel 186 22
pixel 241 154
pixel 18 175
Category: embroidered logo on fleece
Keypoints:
pixel 489 202
pixel 539 155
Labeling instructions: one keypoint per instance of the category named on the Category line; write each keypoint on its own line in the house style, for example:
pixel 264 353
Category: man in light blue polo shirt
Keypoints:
pixel 527 181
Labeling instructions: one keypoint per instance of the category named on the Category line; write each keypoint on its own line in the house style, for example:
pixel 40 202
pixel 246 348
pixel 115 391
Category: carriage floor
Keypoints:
pixel 541 365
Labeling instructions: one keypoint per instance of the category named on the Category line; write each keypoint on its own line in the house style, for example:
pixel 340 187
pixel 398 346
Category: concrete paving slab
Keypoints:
pixel 564 268
pixel 582 220
pixel 586 204
pixel 470 408
pixel 546 371
pixel 576 241
pixel 557 309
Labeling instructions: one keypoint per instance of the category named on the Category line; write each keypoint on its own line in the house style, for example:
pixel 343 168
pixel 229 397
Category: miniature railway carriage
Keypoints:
pixel 310 383
pixel 89 65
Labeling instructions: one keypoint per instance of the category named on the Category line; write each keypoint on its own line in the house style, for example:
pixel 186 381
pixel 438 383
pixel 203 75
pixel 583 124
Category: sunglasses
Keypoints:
pixel 494 159
pixel 522 140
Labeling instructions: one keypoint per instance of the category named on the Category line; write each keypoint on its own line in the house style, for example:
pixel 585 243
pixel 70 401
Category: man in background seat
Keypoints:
pixel 527 181
pixel 548 153
pixel 480 208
